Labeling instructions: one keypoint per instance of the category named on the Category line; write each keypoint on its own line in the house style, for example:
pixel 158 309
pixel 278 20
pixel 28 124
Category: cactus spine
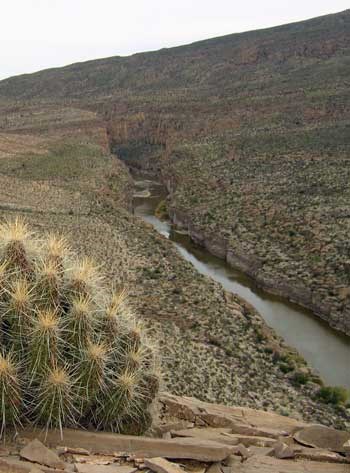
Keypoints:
pixel 71 354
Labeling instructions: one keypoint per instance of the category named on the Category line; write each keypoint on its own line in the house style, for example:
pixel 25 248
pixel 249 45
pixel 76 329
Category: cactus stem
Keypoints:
pixel 49 278
pixel 84 277
pixel 55 399
pixel 44 338
pixel 80 321
pixel 10 391
pixel 14 237
pixel 57 247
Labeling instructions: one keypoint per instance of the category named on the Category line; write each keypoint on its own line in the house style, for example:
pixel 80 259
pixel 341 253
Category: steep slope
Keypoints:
pixel 251 133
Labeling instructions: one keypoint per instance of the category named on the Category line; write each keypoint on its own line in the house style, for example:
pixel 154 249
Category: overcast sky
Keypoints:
pixel 37 34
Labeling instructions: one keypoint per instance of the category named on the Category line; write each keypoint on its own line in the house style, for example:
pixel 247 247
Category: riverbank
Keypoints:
pixel 325 350
pixel 259 215
pixel 251 266
pixel 251 364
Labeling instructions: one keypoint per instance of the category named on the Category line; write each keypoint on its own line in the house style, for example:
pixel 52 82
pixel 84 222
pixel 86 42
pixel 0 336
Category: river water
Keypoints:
pixel 327 351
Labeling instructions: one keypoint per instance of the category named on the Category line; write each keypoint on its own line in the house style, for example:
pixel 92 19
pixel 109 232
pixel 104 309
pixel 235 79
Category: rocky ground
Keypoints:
pixel 214 346
pixel 189 436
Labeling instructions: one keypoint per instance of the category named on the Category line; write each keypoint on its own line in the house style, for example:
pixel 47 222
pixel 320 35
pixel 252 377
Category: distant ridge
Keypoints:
pixel 190 65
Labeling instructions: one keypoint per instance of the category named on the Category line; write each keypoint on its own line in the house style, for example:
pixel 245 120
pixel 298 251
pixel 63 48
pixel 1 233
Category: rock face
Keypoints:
pixel 188 450
pixel 281 450
pixel 180 448
pixel 304 293
pixel 95 468
pixel 240 420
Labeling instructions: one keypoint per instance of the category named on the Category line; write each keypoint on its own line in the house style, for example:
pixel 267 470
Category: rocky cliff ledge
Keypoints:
pixel 189 436
pixel 252 266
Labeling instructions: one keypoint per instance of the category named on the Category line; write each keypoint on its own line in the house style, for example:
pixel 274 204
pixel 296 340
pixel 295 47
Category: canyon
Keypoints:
pixel 250 134
pixel 324 349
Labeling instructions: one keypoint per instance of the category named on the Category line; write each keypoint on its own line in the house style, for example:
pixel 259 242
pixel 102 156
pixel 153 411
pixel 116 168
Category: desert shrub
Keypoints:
pixel 299 378
pixel 285 367
pixel 332 395
pixel 162 210
pixel 71 351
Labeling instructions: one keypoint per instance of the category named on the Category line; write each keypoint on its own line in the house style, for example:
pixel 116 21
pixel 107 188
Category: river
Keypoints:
pixel 327 351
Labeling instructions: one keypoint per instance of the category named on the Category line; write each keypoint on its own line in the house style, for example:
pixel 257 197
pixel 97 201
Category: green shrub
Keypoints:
pixel 162 211
pixel 299 378
pixel 285 367
pixel 332 395
pixel 260 335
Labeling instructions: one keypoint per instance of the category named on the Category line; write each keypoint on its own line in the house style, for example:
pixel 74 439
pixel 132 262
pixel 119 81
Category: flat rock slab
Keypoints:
pixel 262 464
pixel 321 455
pixel 249 440
pixel 161 465
pixel 14 465
pixel 242 420
pixel 36 452
pixel 178 425
pixel 93 468
pixel 224 436
pixel 319 436
pixel 76 451
pixel 94 459
pixel 143 447
pixel 216 435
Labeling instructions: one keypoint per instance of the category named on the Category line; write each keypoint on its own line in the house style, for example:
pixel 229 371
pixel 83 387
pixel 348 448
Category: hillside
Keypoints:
pixel 57 173
pixel 250 132
pixel 220 64
pixel 256 158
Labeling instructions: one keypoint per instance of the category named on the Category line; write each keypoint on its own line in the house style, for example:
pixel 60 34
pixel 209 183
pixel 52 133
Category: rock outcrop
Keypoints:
pixel 171 449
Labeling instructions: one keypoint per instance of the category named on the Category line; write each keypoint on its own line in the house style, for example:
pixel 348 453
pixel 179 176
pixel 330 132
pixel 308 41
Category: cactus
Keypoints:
pixel 10 391
pixel 71 353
